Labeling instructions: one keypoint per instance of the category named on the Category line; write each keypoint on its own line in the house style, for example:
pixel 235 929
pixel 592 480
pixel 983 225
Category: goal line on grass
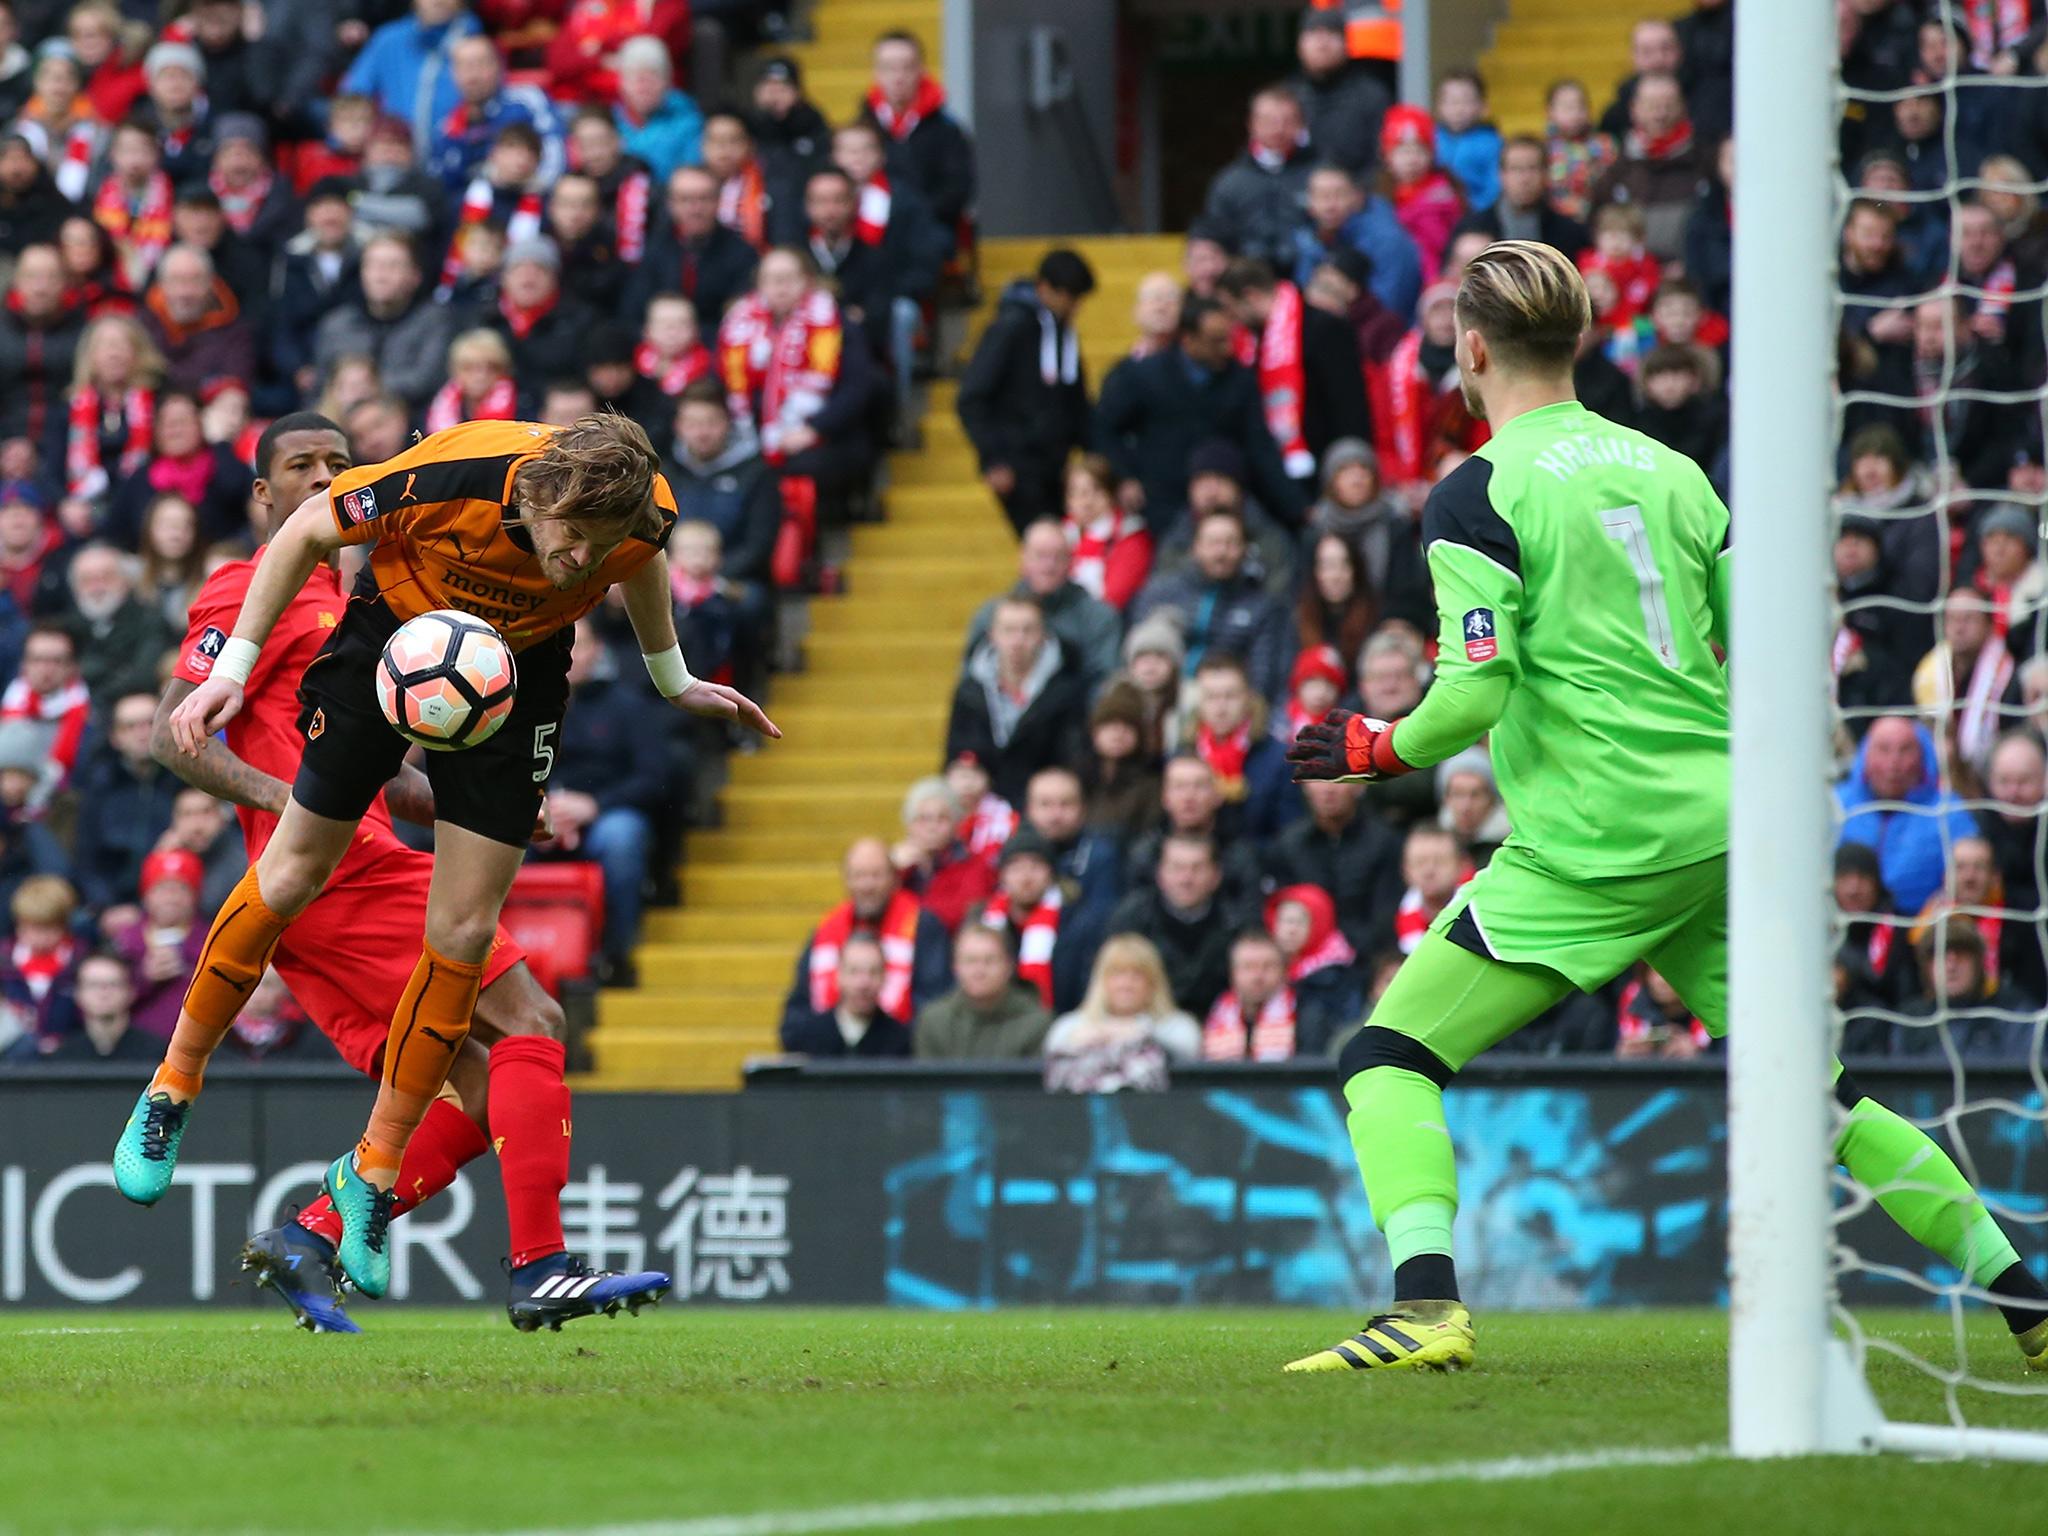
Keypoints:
pixel 1105 1501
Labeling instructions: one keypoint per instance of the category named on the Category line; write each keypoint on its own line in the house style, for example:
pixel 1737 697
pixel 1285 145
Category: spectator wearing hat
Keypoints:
pixel 1314 686
pixel 45 711
pixel 1874 969
pixel 124 806
pixel 103 997
pixel 40 330
pixel 1356 507
pixel 658 124
pixel 911 943
pixel 32 210
pixel 319 272
pixel 1342 100
pixel 1255 202
pixel 38 969
pixel 1660 164
pixel 405 66
pixel 1024 397
pixel 1425 199
pixel 1121 785
pixel 1340 215
pixel 485 105
pixel 791 137
pixel 256 202
pixel 691 253
pixel 2008 571
pixel 1155 658
pixel 856 1022
pixel 928 150
pixel 1155 411
pixel 1190 802
pixel 1222 606
pixel 176 108
pixel 1878 644
pixel 1311 378
pixel 1018 704
pixel 1088 629
pixel 1053 940
pixel 1470 806
pixel 580 58
pixel 991 1014
pixel 196 322
pixel 162 948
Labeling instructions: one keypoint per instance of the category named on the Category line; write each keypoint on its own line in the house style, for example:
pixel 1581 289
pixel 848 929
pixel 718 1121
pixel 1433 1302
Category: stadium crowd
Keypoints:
pixel 1220 541
pixel 407 215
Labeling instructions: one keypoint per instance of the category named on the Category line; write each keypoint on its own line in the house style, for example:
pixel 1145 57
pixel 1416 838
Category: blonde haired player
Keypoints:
pixel 526 526
pixel 1582 598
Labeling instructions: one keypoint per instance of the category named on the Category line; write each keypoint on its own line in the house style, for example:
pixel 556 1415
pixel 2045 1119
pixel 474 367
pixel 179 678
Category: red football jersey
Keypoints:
pixel 265 734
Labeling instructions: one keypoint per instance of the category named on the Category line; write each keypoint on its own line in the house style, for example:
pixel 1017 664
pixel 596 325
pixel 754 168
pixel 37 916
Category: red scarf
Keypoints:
pixel 41 969
pixel 924 101
pixel 241 208
pixel 479 199
pixel 1271 1034
pixel 141 231
pixel 70 706
pixel 1283 380
pixel 678 373
pixel 187 477
pixel 896 933
pixel 1674 141
pixel 74 166
pixel 83 473
pixel 521 320
pixel 791 365
pixel 1994 26
pixel 1036 935
pixel 1225 756
pixel 743 205
pixel 1637 1011
pixel 987 827
pixel 629 215
pixel 1412 921
pixel 1091 544
pixel 449 409
pixel 871 212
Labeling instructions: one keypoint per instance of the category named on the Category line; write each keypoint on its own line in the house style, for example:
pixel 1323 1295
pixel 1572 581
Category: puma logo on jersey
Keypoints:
pixel 406 495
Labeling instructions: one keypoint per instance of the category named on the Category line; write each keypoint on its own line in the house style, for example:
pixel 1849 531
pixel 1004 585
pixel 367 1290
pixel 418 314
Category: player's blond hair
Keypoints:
pixel 599 469
pixel 1528 301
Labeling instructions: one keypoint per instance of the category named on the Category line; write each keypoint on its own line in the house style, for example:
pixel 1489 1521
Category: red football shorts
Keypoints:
pixel 350 954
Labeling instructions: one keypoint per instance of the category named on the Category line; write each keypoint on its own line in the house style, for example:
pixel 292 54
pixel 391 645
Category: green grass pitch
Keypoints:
pixel 692 1421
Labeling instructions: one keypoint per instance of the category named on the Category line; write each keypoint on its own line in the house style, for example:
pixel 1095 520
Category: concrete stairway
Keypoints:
pixel 865 717
pixel 835 60
pixel 1540 41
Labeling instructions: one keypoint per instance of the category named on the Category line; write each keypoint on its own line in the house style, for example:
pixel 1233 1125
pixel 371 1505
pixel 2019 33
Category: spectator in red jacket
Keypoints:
pixel 1112 547
pixel 582 62
pixel 112 80
pixel 933 861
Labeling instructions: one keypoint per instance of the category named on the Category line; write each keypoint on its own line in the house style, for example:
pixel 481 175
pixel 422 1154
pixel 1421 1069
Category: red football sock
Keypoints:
pixel 529 1114
pixel 446 1139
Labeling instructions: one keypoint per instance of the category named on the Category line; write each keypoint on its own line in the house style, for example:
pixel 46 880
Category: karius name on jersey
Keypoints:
pixel 1568 455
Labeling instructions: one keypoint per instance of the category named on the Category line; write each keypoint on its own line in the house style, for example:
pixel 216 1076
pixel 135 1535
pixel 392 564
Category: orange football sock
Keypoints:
pixel 428 1029
pixel 237 953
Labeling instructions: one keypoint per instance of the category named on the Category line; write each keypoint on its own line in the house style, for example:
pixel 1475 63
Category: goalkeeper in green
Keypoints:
pixel 1581 578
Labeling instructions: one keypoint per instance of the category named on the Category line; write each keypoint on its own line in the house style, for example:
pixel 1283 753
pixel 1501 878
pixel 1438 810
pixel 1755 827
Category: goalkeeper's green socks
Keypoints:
pixel 1922 1190
pixel 1411 1176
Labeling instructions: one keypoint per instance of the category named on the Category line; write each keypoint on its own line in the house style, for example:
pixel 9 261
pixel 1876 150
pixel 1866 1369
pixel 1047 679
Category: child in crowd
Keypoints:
pixel 671 352
pixel 1680 318
pixel 1313 690
pixel 1467 145
pixel 38 968
pixel 1618 256
pixel 479 386
pixel 1678 408
pixel 349 120
pixel 1426 201
pixel 1576 151
pixel 705 616
pixel 1434 864
pixel 1322 967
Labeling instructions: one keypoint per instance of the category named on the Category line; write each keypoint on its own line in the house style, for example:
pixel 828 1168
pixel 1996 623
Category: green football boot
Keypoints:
pixel 146 1156
pixel 363 1253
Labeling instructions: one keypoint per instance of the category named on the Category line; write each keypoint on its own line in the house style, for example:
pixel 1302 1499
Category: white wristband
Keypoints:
pixel 670 673
pixel 237 659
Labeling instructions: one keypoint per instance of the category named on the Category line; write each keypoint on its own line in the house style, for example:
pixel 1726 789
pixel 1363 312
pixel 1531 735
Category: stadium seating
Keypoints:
pixel 556 912
pixel 1539 41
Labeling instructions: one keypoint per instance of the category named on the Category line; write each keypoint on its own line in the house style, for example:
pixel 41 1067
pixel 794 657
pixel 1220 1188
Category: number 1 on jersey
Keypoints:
pixel 1624 525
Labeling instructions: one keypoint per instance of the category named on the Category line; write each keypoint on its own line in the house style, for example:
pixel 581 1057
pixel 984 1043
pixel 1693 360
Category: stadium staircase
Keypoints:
pixel 1539 41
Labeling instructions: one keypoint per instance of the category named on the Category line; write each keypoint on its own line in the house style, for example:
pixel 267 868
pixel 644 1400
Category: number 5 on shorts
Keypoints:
pixel 1624 525
pixel 544 751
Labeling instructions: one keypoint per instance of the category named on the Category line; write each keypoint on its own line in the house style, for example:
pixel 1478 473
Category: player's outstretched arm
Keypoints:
pixel 309 536
pixel 648 606
pixel 213 768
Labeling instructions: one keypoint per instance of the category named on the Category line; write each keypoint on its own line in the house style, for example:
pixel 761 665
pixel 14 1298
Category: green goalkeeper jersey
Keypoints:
pixel 1581 590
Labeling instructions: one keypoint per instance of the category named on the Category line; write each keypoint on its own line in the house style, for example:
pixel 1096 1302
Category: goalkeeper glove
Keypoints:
pixel 1346 746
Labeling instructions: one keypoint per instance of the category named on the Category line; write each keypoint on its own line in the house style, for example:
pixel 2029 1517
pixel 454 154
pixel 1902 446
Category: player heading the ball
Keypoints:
pixel 527 527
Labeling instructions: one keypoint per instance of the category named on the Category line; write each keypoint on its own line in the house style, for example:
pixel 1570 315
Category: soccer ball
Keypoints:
pixel 446 680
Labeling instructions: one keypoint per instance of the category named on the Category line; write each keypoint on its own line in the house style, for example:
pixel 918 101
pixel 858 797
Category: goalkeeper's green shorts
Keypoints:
pixel 1550 934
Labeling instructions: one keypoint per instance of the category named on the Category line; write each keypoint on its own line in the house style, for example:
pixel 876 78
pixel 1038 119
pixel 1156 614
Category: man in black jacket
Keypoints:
pixel 124 806
pixel 927 147
pixel 1523 211
pixel 544 328
pixel 1331 375
pixel 1187 920
pixel 1156 410
pixel 611 777
pixel 320 271
pixel 31 208
pixel 1340 96
pixel 792 140
pixel 39 335
pixel 1349 852
pixel 725 482
pixel 871 274
pixel 1024 396
pixel 1257 200
pixel 1019 706
pixel 691 253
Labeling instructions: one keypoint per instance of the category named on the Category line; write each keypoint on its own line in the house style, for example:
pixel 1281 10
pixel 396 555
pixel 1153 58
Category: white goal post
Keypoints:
pixel 1794 1388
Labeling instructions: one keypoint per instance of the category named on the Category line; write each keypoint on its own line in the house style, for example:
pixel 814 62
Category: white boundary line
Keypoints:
pixel 868 1517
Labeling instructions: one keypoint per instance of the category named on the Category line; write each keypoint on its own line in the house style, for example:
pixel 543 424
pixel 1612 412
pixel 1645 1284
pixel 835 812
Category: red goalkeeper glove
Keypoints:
pixel 1345 746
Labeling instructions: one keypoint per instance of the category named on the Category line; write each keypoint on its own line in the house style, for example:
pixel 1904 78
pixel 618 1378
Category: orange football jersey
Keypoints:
pixel 444 532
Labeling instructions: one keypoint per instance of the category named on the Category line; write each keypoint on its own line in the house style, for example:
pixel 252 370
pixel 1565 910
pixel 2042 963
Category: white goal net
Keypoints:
pixel 1891 365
